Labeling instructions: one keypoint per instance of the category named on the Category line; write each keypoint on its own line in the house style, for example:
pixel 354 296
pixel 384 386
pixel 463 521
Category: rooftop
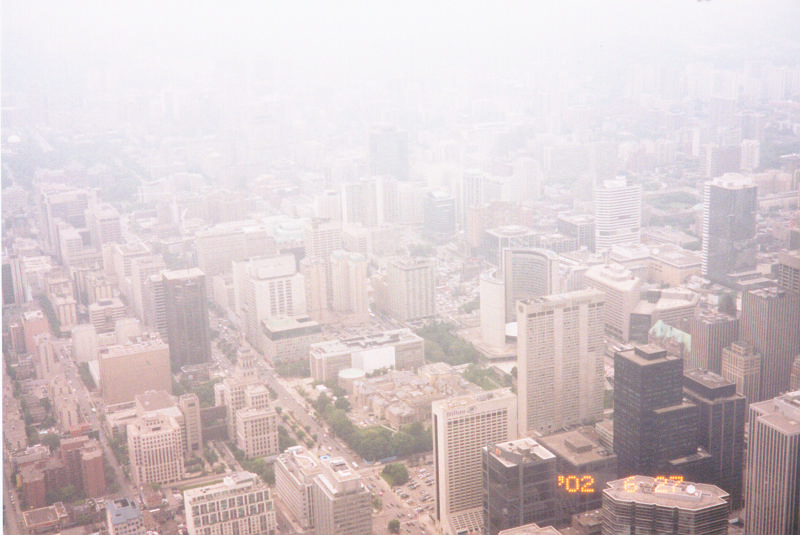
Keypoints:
pixel 666 493
pixel 578 446
pixel 122 511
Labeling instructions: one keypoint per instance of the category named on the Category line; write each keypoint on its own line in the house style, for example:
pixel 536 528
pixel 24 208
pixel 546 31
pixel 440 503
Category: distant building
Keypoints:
pixel 729 226
pixel 241 503
pixel 579 226
pixel 789 270
pixel 388 152
pixel 104 314
pixel 156 441
pixel 288 339
pixel 618 213
pixel 772 482
pixel 519 485
pixel 295 470
pixel 187 316
pixel 711 332
pixel 439 214
pixel 528 273
pixel 412 288
pixel 647 505
pixel 741 365
pixel 622 291
pixel 496 240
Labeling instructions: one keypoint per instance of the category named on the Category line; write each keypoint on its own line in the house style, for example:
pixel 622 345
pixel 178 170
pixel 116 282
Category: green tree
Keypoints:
pixel 394 526
pixel 52 441
pixel 395 474
pixel 343 404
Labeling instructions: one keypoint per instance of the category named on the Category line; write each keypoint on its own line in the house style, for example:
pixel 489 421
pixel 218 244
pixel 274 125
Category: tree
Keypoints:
pixel 52 441
pixel 395 474
pixel 394 526
pixel 343 404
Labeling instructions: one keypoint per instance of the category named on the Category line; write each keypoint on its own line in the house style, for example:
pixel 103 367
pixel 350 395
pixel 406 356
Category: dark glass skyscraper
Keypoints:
pixel 187 317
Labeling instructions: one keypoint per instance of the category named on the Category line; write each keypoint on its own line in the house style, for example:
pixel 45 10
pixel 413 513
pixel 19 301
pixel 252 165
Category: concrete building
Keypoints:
pixel 493 309
pixel 496 240
pixel 519 485
pixel 187 316
pixel 772 482
pixel 241 503
pixel 769 320
pixel 156 442
pixel 289 339
pixel 123 517
pixel 349 278
pixel 412 288
pixel 560 352
pixel 398 349
pixel 579 226
pixel 256 424
pixel 388 152
pixel 711 332
pixel 788 269
pixel 528 273
pixel 741 365
pixel 141 268
pixel 643 504
pixel 189 405
pixel 622 291
pixel 128 370
pixel 462 426
pixel 729 226
pixel 295 470
pixel 439 214
pixel 722 415
pixel 618 213
pixel 341 504
pixel 583 466
pixel 104 314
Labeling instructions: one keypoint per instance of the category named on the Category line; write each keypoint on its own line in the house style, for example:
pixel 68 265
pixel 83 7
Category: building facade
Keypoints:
pixel 240 504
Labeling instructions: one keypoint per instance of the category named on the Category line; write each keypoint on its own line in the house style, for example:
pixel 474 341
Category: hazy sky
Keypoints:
pixel 324 40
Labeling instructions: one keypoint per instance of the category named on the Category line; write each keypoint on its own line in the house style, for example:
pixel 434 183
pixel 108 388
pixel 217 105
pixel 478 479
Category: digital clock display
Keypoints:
pixel 575 484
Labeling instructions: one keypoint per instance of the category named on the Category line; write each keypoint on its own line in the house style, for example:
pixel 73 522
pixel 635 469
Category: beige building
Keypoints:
pixel 156 447
pixel 622 291
pixel 560 353
pixel 411 284
pixel 295 470
pixel 349 278
pixel 462 426
pixel 341 503
pixel 289 339
pixel 127 370
pixel 105 313
pixel 239 504
pixel 256 424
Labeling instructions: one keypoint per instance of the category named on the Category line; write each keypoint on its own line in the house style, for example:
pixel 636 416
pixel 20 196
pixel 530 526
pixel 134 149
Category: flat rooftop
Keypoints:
pixel 578 446
pixel 666 493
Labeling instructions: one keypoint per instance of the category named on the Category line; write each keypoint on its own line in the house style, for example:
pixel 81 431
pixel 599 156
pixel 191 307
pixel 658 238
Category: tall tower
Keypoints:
pixel 388 152
pixel 462 426
pixel 729 226
pixel 652 425
pixel 618 214
pixel 412 288
pixel 439 214
pixel 720 428
pixel 741 365
pixel 560 360
pixel 711 332
pixel 772 483
pixel 771 322
pixel 187 316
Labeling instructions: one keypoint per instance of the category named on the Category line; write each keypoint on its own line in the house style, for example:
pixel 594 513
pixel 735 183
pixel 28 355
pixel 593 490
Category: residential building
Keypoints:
pixel 239 504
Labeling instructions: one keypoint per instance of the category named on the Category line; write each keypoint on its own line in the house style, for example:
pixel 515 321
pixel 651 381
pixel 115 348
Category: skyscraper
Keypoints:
pixel 187 316
pixel 560 360
pixel 729 226
pixel 519 485
pixel 771 322
pixel 720 428
pixel 388 152
pixel 772 483
pixel 711 332
pixel 439 214
pixel 652 424
pixel 462 426
pixel 412 288
pixel 741 365
pixel 618 213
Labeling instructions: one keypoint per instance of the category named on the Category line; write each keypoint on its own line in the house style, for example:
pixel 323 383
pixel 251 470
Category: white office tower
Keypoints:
pixel 477 189
pixel 623 292
pixel 240 504
pixel 560 352
pixel 295 470
pixel 156 448
pixel 412 288
pixel 322 237
pixel 462 426
pixel 142 268
pixel 528 273
pixel 328 205
pixel 349 277
pixel 618 213
pixel 493 309
pixel 342 505
pixel 772 478
pixel 264 288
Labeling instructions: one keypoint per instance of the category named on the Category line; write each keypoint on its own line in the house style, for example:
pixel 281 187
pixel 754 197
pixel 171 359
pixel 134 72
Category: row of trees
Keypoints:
pixel 376 442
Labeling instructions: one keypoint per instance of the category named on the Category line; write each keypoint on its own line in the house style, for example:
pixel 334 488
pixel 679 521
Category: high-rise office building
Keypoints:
pixel 794 379
pixel 711 332
pixel 295 470
pixel 131 369
pixel 412 288
pixel 640 504
pixel 388 152
pixel 360 202
pixel 240 503
pixel 769 320
pixel 772 481
pixel 528 273
pixel 789 270
pixel 741 365
pixel 349 277
pixel 187 316
pixel 189 405
pixel 580 226
pixel 560 352
pixel 141 269
pixel 618 213
pixel 652 424
pixel 341 504
pixel 720 428
pixel 104 224
pixel 462 426
pixel 623 292
pixel 519 485
pixel 439 214
pixel 729 227
pixel 322 237
pixel 155 448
